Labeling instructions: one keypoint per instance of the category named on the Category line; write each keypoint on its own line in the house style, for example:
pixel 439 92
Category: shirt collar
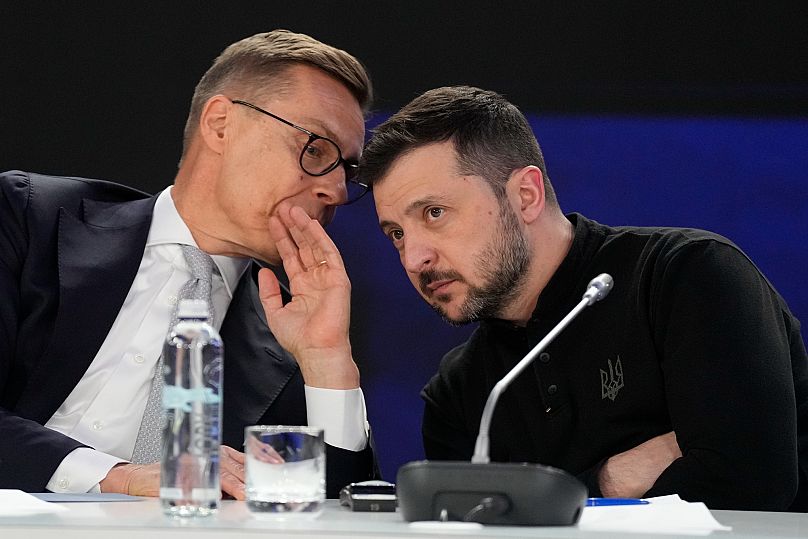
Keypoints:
pixel 168 228
pixel 568 283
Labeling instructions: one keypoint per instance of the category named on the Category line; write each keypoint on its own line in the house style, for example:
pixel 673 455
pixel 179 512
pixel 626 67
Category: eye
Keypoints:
pixel 434 213
pixel 313 151
pixel 395 234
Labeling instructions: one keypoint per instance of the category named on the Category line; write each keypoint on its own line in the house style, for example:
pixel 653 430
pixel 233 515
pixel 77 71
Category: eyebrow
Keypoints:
pixel 319 129
pixel 323 130
pixel 414 206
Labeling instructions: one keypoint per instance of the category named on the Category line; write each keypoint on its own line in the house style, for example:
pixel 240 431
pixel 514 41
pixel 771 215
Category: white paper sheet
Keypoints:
pixel 666 514
pixel 17 503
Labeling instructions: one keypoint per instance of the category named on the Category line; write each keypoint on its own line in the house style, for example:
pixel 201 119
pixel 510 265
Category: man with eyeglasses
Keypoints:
pixel 90 272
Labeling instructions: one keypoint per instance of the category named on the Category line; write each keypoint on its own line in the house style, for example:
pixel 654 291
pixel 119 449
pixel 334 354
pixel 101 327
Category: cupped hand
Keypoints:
pixel 314 325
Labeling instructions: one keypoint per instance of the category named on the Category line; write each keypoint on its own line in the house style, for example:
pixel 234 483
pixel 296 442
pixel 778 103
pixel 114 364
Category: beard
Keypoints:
pixel 501 265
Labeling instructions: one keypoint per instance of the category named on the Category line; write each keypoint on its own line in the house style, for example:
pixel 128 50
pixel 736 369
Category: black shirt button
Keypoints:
pixel 544 357
pixel 552 389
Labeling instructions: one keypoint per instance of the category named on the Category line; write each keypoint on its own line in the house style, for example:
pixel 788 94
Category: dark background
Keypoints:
pixel 651 113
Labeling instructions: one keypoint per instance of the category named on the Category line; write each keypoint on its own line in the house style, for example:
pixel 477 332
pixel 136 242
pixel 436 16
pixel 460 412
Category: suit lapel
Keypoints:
pixel 99 255
pixel 256 368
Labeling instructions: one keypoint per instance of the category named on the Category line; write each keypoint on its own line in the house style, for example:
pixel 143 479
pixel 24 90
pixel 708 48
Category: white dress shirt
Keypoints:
pixel 105 409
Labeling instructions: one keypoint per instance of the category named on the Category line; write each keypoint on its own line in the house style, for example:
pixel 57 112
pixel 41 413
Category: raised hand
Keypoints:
pixel 314 325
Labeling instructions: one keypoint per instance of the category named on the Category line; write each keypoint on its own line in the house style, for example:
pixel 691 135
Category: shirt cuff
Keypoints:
pixel 341 414
pixel 81 471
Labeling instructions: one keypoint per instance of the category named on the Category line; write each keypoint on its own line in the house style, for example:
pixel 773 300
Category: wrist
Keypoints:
pixel 329 368
pixel 119 478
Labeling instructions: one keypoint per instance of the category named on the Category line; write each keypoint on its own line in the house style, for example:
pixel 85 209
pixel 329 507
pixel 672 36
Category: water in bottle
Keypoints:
pixel 192 367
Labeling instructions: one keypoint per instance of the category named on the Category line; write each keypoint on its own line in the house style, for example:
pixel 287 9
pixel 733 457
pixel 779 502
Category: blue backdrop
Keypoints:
pixel 743 178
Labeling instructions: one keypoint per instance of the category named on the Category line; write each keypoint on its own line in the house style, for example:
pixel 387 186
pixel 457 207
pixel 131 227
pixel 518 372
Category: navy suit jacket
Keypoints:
pixel 69 251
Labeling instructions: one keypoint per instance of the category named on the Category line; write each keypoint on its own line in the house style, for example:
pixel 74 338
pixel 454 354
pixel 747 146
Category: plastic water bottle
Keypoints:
pixel 192 367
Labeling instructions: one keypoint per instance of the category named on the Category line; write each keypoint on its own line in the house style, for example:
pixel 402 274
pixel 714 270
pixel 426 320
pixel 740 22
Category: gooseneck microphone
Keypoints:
pixel 498 493
pixel 596 290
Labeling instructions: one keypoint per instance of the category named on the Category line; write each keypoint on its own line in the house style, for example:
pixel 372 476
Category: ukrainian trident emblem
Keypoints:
pixel 611 382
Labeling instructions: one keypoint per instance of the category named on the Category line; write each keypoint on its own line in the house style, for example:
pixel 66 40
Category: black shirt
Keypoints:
pixel 692 339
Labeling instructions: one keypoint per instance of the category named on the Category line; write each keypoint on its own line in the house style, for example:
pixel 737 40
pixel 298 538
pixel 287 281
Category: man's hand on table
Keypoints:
pixel 144 479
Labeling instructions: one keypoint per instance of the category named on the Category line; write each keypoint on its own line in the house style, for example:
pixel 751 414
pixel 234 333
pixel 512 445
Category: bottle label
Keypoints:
pixel 182 398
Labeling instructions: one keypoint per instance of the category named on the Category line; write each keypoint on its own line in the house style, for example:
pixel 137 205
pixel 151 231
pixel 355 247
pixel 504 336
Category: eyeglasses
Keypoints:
pixel 321 155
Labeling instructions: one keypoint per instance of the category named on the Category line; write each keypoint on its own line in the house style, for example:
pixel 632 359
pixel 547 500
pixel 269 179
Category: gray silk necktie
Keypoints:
pixel 148 446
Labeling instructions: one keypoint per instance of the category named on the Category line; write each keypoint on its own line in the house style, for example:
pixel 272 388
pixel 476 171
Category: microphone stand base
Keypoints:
pixel 516 494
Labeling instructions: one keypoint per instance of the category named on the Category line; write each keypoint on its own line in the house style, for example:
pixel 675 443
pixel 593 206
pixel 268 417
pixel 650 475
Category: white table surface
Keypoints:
pixel 144 519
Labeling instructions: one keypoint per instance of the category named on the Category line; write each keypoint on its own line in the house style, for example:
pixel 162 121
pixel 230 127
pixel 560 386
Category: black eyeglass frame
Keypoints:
pixel 351 169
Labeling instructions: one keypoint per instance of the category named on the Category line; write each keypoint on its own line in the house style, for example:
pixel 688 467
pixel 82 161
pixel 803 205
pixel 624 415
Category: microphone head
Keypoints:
pixel 598 288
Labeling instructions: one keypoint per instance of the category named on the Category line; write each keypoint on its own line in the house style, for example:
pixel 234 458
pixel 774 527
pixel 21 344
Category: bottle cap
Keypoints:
pixel 193 308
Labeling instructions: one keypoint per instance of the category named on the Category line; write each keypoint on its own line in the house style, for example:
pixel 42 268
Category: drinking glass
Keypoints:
pixel 285 469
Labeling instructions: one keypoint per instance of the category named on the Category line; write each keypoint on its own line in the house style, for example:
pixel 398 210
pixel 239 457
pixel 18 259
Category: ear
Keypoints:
pixel 213 122
pixel 527 186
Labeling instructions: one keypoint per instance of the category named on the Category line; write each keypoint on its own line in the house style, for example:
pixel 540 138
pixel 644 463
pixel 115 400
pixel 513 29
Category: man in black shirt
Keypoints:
pixel 691 377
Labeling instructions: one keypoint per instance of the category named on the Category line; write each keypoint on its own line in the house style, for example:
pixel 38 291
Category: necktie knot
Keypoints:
pixel 199 263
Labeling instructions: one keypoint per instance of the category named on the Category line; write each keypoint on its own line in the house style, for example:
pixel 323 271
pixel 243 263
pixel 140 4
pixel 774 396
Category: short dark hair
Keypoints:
pixel 258 64
pixel 491 137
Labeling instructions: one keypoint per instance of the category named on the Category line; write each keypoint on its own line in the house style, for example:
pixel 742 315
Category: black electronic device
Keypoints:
pixel 372 496
pixel 495 493
pixel 498 493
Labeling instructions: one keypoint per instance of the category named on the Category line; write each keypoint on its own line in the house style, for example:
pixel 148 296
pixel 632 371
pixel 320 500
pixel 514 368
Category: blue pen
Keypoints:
pixel 595 502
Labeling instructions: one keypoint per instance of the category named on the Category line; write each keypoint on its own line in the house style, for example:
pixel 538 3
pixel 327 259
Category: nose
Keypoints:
pixel 417 255
pixel 331 189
